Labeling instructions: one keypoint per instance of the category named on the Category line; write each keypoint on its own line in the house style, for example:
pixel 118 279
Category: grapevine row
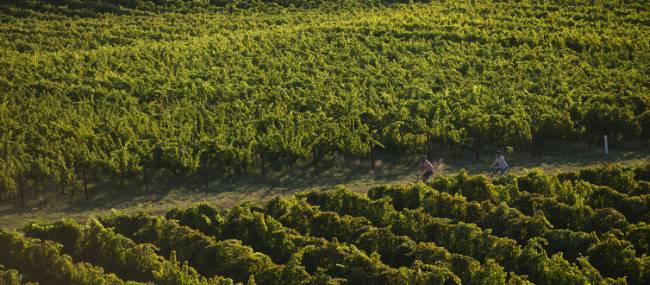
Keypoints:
pixel 531 260
pixel 117 254
pixel 43 262
pixel 520 222
pixel 262 230
pixel 358 268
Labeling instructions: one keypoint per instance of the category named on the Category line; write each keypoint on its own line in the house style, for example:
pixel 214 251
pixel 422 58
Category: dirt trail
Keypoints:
pixel 227 193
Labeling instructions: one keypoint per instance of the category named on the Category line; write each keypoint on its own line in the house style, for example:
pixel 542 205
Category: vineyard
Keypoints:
pixel 132 91
pixel 587 227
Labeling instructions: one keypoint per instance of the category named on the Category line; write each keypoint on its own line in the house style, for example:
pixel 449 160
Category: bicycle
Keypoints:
pixel 498 171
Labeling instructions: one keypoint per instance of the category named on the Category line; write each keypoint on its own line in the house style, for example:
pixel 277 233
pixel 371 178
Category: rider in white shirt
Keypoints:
pixel 500 164
pixel 426 167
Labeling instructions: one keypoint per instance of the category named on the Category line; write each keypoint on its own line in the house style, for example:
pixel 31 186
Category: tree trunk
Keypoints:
pixel 21 190
pixel 147 181
pixel 348 159
pixel 183 178
pixel 246 170
pixel 86 195
pixel 84 181
pixel 477 149
pixel 589 145
pixel 372 159
pixel 538 145
pixel 314 160
pixel 262 165
pixel 120 181
pixel 206 178
pixel 72 195
pixel 62 186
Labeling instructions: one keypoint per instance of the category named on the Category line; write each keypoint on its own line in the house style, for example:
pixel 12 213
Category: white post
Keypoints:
pixel 605 142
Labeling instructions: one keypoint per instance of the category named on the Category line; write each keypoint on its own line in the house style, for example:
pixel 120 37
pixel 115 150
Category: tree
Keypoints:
pixel 477 126
pixel 605 119
pixel 89 164
pixel 552 124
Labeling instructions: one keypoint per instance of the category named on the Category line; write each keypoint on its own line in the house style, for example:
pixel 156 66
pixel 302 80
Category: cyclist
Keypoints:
pixel 500 165
pixel 426 167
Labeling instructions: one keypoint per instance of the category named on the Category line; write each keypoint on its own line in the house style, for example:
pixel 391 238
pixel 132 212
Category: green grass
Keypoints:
pixel 228 192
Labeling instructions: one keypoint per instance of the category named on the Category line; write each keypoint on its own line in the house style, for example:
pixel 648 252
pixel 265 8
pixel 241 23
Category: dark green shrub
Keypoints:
pixel 44 262
pixel 619 178
pixel 538 182
pixel 616 258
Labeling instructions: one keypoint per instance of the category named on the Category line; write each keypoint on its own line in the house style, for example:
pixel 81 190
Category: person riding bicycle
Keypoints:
pixel 426 167
pixel 500 164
